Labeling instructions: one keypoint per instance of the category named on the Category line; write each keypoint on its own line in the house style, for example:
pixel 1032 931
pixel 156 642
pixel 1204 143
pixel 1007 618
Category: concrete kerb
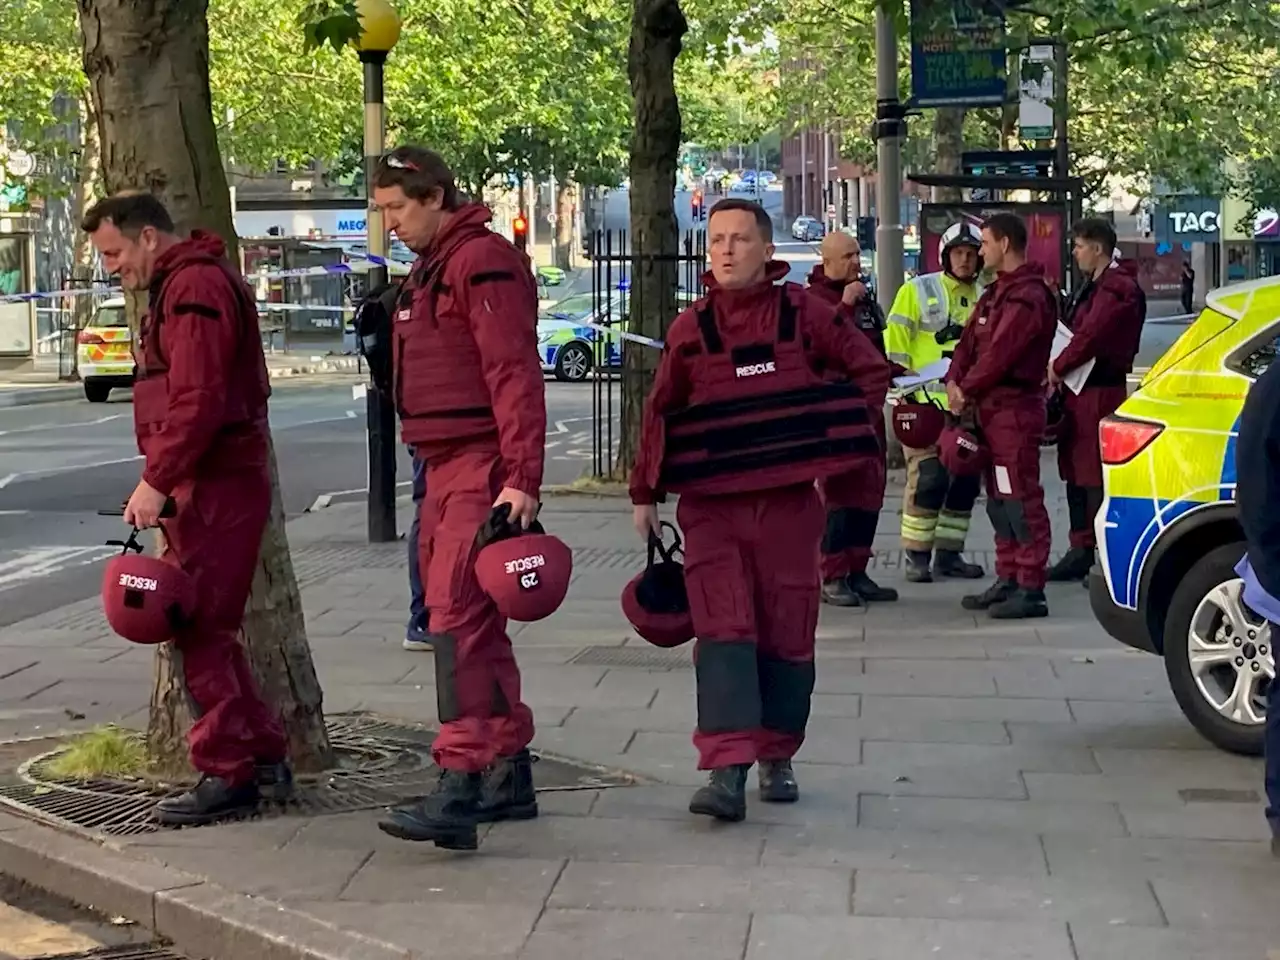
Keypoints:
pixel 199 918
pixel 28 396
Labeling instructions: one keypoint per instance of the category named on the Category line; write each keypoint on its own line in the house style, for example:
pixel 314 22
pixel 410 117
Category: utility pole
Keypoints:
pixel 1062 156
pixel 890 128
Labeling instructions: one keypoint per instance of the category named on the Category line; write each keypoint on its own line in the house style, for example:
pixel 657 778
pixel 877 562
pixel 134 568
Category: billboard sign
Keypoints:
pixel 1046 231
pixel 957 54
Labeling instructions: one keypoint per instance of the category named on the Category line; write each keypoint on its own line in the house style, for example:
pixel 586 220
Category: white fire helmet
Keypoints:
pixel 959 234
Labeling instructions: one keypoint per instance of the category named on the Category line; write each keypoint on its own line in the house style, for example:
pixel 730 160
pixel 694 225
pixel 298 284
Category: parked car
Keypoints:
pixel 104 355
pixel 807 228
pixel 550 276
pixel 1168 533
pixel 569 349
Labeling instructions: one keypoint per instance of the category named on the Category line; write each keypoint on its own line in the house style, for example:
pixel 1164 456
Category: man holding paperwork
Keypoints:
pixel 1091 361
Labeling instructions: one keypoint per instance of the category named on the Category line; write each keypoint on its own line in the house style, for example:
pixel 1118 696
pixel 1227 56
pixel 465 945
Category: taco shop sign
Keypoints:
pixel 1188 219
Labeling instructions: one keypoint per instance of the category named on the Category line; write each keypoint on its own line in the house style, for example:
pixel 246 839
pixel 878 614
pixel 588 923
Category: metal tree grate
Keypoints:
pixel 645 658
pixel 380 762
pixel 126 952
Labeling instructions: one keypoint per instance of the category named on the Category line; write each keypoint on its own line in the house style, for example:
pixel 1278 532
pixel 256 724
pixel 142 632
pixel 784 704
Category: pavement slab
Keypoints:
pixel 970 790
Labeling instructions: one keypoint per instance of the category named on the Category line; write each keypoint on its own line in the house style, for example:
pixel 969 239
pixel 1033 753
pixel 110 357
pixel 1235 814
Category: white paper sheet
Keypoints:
pixel 929 374
pixel 1075 380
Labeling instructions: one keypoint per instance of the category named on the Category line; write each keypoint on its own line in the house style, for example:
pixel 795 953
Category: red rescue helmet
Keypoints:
pixel 961 452
pixel 525 572
pixel 146 599
pixel 1055 415
pixel 655 601
pixel 918 424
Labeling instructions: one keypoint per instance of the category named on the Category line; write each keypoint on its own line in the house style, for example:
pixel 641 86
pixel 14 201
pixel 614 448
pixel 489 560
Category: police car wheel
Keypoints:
pixel 1218 654
pixel 573 363
pixel 96 392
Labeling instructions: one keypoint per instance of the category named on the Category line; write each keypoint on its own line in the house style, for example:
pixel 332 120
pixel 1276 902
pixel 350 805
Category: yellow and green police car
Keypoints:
pixel 1168 533
pixel 104 356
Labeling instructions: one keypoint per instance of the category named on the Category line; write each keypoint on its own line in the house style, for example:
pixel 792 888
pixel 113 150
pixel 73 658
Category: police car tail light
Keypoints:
pixel 88 337
pixel 1122 439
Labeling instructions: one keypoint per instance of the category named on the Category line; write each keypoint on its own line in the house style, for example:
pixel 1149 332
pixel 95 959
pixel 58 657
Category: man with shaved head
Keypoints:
pixel 852 499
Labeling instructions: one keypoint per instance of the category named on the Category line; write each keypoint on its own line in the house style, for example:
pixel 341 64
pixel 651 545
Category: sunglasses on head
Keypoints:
pixel 397 163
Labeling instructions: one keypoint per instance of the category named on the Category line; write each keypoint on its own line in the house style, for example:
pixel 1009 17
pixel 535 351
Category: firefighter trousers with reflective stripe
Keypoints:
pixel 1015 499
pixel 936 507
pixel 852 501
pixel 477 680
pixel 751 570
pixel 216 537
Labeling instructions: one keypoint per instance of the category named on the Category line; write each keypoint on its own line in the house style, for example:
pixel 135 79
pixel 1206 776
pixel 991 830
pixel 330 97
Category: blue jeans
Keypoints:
pixel 417 592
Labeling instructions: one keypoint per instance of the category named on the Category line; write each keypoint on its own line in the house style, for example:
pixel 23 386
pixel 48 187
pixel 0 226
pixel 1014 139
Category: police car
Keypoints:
pixel 104 356
pixel 571 350
pixel 1168 533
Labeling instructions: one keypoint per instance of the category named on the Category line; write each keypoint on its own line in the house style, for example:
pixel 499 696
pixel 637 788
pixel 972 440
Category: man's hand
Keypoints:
pixel 853 293
pixel 645 518
pixel 1054 379
pixel 145 506
pixel 524 509
pixel 956 399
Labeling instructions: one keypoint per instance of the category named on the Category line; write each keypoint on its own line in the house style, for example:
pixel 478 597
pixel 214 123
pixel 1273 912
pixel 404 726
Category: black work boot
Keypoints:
pixel 507 791
pixel 1074 565
pixel 999 591
pixel 869 590
pixel 778 782
pixel 210 800
pixel 447 816
pixel 838 593
pixel 949 563
pixel 918 566
pixel 275 781
pixel 725 795
pixel 1021 604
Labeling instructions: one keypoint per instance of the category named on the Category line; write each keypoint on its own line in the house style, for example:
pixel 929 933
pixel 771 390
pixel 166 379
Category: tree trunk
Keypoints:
pixel 948 145
pixel 657 27
pixel 147 62
pixel 566 210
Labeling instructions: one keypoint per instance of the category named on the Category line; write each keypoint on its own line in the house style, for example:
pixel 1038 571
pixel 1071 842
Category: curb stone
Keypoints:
pixel 28 396
pixel 199 918
pixel 328 365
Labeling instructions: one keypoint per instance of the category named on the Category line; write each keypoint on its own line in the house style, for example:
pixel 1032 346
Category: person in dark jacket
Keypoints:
pixel 470 394
pixel 759 393
pixel 852 499
pixel 1258 502
pixel 200 417
pixel 1105 318
pixel 998 370
pixel 1187 286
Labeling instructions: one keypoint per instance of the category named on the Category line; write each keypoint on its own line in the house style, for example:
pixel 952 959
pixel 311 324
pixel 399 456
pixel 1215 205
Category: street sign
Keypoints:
pixel 551 219
pixel 20 163
pixel 957 54
pixel 1007 163
pixel 1035 94
pixel 831 209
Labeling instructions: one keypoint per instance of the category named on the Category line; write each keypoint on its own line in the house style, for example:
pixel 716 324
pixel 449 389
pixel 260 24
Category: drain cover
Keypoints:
pixel 646 658
pixel 380 762
pixel 127 952
pixel 1218 795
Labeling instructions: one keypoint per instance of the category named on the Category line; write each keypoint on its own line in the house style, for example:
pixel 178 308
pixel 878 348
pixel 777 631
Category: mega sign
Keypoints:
pixel 351 226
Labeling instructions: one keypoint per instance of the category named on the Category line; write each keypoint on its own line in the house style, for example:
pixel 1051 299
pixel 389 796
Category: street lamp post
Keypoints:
pixel 380 29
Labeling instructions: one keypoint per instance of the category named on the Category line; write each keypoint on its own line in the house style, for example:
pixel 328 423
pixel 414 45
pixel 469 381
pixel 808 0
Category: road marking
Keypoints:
pixel 28 475
pixel 62 426
pixel 5 481
pixel 44 561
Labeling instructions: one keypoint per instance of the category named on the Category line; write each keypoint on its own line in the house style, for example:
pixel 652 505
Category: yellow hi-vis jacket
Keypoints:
pixel 924 306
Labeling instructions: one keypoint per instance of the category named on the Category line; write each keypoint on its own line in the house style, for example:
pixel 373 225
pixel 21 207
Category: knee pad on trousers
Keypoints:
pixel 848 527
pixel 998 514
pixel 728 686
pixel 1013 509
pixel 786 689
pixel 1076 506
pixel 962 493
pixel 446 656
pixel 931 487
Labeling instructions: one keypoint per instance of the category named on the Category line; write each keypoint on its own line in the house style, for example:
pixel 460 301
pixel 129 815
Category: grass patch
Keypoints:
pixel 591 486
pixel 106 752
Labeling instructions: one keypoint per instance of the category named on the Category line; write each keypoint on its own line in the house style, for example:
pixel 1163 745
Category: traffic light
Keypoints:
pixel 699 206
pixel 867 233
pixel 520 232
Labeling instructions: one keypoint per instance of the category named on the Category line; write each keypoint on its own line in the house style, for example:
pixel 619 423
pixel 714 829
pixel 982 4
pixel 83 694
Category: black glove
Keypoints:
pixel 373 333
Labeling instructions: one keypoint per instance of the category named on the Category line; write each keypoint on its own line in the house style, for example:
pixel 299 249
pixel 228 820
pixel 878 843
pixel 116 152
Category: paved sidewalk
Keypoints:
pixel 971 791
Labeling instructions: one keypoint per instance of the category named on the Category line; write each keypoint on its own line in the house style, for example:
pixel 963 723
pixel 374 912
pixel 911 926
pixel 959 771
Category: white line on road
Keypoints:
pixel 44 561
pixel 39 427
pixel 29 475
pixel 5 481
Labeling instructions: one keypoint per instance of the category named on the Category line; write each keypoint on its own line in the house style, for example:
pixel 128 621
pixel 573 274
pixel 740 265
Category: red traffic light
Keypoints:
pixel 520 225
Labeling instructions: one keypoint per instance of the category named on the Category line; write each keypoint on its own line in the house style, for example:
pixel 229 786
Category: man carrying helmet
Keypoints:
pixel 759 393
pixel 852 499
pixel 200 416
pixel 998 375
pixel 469 391
pixel 924 326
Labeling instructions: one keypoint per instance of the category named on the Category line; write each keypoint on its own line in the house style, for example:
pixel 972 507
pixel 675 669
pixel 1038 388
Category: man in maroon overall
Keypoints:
pixel 998 370
pixel 852 499
pixel 200 415
pixel 1105 317
pixel 759 393
pixel 470 394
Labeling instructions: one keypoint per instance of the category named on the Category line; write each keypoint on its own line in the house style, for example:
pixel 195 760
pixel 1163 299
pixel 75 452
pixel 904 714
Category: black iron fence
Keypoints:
pixel 616 297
